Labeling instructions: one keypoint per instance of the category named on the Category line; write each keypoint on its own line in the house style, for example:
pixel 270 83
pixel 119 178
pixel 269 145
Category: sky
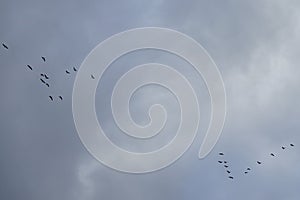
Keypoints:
pixel 255 46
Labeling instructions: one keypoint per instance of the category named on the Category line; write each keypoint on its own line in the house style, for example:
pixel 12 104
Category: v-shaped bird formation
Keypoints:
pixel 248 169
pixel 44 78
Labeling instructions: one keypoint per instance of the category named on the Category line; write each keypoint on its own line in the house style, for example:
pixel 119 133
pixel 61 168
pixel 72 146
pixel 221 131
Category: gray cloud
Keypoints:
pixel 254 43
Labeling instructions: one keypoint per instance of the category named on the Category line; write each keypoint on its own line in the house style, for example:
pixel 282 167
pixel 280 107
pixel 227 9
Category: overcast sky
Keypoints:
pixel 256 47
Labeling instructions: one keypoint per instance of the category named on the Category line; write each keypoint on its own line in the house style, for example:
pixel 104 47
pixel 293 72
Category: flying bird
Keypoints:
pixel 258 162
pixel 226 166
pixel 220 161
pixel 51 98
pixel 292 145
pixel 47 84
pixel 228 171
pixel 67 72
pixel 272 154
pixel 248 169
pixel 43 75
pixel 92 76
pixel 225 161
pixel 283 147
pixel 46 77
pixel 29 67
pixel 75 70
pixel 43 58
pixel 221 154
pixel 42 81
pixel 4 45
pixel 246 172
pixel 231 177
pixel 60 97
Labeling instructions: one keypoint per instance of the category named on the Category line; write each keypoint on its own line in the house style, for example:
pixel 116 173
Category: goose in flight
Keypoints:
pixel 92 76
pixel 51 98
pixel 60 97
pixel 42 81
pixel 43 58
pixel 258 162
pixel 75 70
pixel 67 72
pixel 29 67
pixel 4 45
pixel 247 170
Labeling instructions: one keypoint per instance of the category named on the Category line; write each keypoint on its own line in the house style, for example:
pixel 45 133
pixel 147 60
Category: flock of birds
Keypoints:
pixel 44 78
pixel 248 169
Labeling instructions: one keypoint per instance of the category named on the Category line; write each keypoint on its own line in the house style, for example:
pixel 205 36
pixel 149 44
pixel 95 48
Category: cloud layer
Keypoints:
pixel 254 43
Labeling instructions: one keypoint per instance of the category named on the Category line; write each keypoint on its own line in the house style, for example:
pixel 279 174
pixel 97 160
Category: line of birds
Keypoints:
pixel 226 166
pixel 75 70
pixel 44 78
pixel 248 169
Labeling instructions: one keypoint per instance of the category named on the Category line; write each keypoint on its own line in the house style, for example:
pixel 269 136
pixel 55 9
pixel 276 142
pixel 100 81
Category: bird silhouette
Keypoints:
pixel 29 67
pixel 272 154
pixel 92 76
pixel 47 84
pixel 258 162
pixel 283 147
pixel 228 171
pixel 226 166
pixel 43 75
pixel 4 45
pixel 75 70
pixel 46 77
pixel 43 58
pixel 60 97
pixel 67 72
pixel 42 81
pixel 246 172
pixel 225 161
pixel 221 154
pixel 248 168
pixel 51 98
pixel 292 145
pixel 220 161
pixel 231 177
